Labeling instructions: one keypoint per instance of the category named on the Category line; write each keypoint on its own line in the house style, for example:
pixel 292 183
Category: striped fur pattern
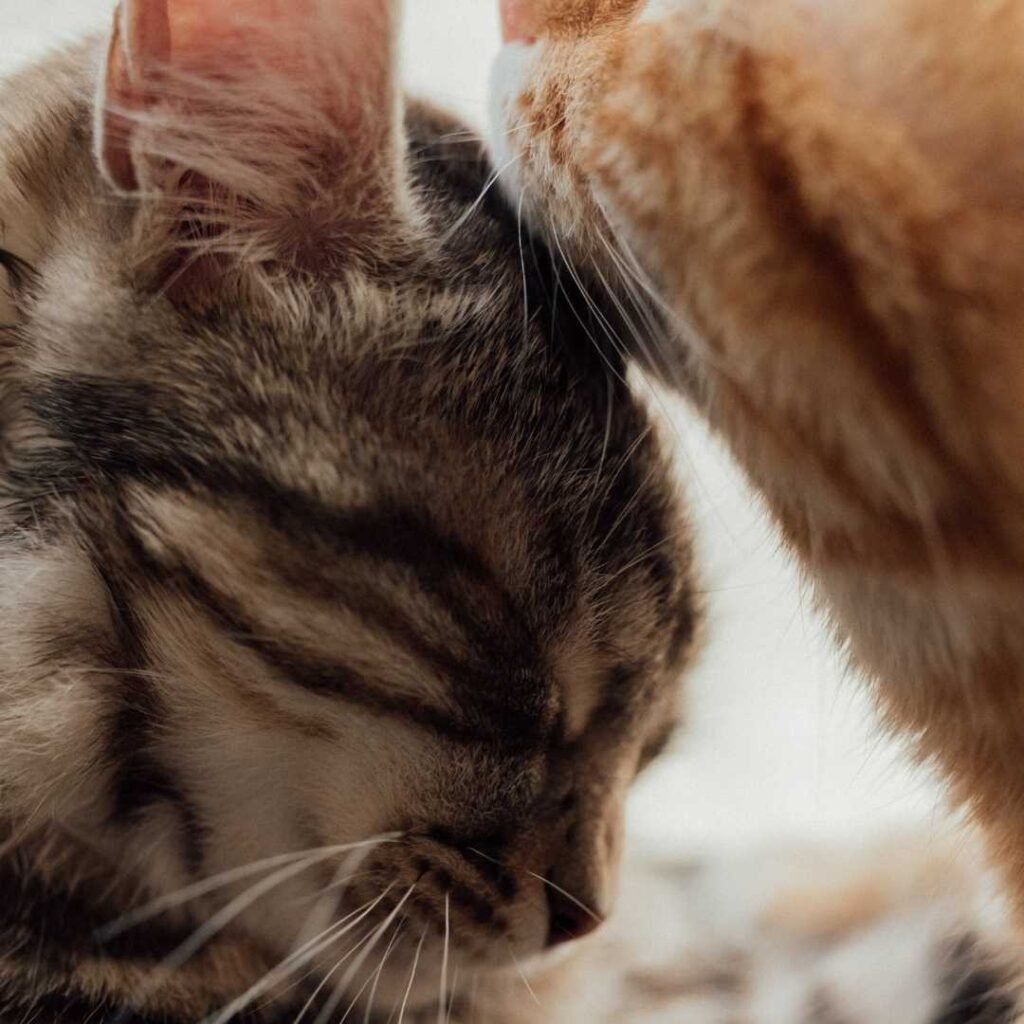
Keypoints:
pixel 344 587
pixel 825 201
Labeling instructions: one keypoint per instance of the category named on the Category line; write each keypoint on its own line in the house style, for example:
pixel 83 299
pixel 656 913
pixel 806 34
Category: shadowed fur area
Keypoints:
pixel 345 586
pixel 825 200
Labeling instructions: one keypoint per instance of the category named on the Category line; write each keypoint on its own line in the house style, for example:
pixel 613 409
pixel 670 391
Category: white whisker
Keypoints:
pixel 522 264
pixel 332 1004
pixel 412 977
pixel 453 990
pixel 522 975
pixel 602 320
pixel 443 995
pixel 568 895
pixel 491 182
pixel 299 958
pixel 330 974
pixel 172 900
pixel 219 921
pixel 628 507
pixel 226 915
pixel 380 970
pixel 623 462
pixel 328 901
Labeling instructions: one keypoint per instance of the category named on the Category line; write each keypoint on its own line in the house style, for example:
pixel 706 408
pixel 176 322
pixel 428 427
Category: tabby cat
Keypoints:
pixel 344 587
pixel 824 201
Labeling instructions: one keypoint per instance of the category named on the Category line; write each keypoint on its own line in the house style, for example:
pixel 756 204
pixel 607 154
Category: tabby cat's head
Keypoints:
pixel 328 518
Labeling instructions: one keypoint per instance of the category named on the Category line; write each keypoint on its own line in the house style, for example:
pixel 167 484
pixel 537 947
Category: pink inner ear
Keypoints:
pixel 338 53
pixel 223 31
pixel 282 34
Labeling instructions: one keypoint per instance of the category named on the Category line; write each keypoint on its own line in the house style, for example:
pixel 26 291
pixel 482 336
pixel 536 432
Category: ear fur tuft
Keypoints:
pixel 263 127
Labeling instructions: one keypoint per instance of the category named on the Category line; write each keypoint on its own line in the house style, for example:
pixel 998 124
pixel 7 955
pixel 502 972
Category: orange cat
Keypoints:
pixel 829 196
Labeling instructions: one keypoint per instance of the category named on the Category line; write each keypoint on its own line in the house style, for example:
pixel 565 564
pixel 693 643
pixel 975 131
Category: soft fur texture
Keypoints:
pixel 337 565
pixel 825 201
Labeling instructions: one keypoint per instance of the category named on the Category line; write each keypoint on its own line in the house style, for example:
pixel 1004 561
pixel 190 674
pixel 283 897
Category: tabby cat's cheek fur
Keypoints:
pixel 827 198
pixel 336 560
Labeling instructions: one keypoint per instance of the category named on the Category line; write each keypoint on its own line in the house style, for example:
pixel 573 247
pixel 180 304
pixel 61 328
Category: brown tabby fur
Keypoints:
pixel 831 199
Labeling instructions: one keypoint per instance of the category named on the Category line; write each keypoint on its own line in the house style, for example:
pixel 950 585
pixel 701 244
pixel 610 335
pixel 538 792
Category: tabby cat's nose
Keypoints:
pixel 516 25
pixel 570 919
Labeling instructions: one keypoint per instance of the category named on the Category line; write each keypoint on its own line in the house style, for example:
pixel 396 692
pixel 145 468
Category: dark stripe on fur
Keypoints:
pixel 472 677
pixel 506 677
pixel 978 992
pixel 21 275
pixel 57 926
pixel 140 779
pixel 137 432
pixel 501 690
pixel 70 1007
pixel 327 679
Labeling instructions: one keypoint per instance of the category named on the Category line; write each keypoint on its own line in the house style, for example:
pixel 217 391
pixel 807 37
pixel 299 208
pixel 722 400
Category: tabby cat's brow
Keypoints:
pixel 118 413
pixel 502 645
pixel 327 679
pixel 470 669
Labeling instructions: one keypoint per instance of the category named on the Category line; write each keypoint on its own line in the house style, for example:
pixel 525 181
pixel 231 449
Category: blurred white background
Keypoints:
pixel 780 741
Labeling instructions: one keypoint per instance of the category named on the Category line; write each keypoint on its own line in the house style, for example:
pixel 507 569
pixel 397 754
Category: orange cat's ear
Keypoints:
pixel 222 61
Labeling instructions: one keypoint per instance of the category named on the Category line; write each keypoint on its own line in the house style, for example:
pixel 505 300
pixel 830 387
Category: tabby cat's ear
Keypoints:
pixel 255 104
